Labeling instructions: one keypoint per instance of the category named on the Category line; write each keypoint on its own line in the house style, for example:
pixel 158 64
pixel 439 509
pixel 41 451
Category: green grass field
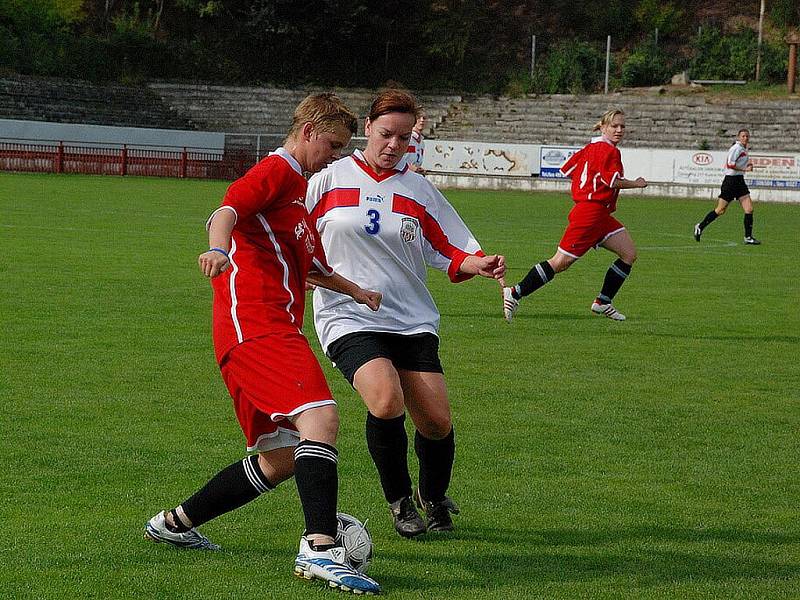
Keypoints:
pixel 655 458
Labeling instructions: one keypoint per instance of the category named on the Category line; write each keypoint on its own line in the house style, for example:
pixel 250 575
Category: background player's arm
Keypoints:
pixel 627 184
pixel 214 262
pixel 337 283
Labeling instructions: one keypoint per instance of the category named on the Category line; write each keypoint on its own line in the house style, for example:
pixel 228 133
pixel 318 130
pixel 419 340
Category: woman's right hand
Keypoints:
pixel 212 263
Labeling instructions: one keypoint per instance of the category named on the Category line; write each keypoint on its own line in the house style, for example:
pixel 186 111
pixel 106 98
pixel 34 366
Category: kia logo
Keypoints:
pixel 702 158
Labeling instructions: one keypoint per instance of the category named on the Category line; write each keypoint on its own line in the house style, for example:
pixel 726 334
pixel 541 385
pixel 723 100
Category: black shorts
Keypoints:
pixel 733 187
pixel 418 352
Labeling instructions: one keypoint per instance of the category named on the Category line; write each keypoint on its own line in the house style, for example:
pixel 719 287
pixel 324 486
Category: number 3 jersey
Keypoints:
pixel 382 231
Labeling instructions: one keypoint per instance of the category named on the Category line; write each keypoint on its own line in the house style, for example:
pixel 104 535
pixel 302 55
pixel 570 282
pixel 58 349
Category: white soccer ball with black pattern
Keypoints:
pixel 356 540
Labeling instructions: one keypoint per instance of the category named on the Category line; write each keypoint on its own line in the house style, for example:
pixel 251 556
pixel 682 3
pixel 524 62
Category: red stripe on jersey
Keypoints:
pixel 431 230
pixel 336 198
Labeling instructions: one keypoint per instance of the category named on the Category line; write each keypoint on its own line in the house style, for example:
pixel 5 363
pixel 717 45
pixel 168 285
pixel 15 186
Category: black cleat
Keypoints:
pixel 438 513
pixel 407 521
pixel 697 232
pixel 751 241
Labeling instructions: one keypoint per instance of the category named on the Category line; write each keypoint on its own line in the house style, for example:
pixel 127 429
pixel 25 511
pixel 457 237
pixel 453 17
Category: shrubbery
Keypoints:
pixel 733 56
pixel 646 65
pixel 570 67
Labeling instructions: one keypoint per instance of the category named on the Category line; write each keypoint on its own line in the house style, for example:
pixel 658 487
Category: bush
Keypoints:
pixel 646 65
pixel 733 56
pixel 785 13
pixel 570 67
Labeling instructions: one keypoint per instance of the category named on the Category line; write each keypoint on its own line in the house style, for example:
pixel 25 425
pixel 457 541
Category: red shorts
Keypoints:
pixel 590 224
pixel 271 378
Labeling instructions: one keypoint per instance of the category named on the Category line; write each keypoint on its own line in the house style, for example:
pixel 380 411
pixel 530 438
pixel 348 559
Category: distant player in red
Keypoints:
pixel 597 176
pixel 262 246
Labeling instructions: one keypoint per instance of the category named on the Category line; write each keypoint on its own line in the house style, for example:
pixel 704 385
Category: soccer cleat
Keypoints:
pixel 407 521
pixel 607 310
pixel 510 304
pixel 751 241
pixel 438 513
pixel 156 530
pixel 329 565
pixel 697 232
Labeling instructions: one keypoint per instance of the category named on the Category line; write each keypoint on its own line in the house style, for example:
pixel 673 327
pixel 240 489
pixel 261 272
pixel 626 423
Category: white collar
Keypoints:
pixel 284 154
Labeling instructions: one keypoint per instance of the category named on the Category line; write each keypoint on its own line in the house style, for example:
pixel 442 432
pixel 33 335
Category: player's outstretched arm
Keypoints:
pixel 215 260
pixel 492 266
pixel 340 284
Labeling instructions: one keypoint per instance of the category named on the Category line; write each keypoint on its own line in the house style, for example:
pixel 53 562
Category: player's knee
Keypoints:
pixel 436 427
pixel 720 210
pixel 629 257
pixel 561 263
pixel 385 405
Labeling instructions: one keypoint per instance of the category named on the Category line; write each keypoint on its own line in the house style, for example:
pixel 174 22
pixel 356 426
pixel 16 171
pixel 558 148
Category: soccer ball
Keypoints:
pixel 356 541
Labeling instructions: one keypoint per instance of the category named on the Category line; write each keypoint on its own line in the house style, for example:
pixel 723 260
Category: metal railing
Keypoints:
pixel 61 157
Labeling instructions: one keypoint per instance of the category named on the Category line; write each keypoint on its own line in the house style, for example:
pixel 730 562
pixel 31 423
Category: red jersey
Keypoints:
pixel 593 170
pixel 274 244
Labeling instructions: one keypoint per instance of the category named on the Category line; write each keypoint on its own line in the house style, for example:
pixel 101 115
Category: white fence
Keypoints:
pixel 775 176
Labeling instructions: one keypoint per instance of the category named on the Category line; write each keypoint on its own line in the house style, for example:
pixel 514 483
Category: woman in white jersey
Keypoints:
pixel 416 146
pixel 733 188
pixel 388 224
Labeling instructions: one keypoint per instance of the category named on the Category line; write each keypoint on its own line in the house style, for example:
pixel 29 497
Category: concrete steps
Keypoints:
pixel 656 121
pixel 72 101
pixel 240 109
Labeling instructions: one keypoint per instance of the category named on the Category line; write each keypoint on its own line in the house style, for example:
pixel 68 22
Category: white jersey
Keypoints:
pixel 737 157
pixel 382 231
pixel 415 152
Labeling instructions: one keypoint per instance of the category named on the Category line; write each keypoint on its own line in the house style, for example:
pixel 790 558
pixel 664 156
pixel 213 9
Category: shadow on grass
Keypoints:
pixel 520 316
pixel 572 537
pixel 520 558
pixel 789 339
pixel 566 555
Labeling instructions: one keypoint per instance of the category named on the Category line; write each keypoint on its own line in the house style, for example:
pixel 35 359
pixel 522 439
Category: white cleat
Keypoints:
pixel 510 304
pixel 331 566
pixel 156 530
pixel 607 310
pixel 697 232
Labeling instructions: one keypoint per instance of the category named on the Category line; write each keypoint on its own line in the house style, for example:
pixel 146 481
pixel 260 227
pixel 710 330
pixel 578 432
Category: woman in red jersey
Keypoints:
pixel 596 173
pixel 262 246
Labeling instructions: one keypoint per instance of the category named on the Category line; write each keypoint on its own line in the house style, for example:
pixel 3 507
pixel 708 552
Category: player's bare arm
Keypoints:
pixel 492 267
pixel 627 184
pixel 340 284
pixel 215 260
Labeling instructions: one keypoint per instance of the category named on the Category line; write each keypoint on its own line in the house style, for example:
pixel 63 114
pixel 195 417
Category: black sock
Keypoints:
pixel 615 277
pixel 388 445
pixel 435 465
pixel 234 486
pixel 707 220
pixel 318 485
pixel 536 278
pixel 748 224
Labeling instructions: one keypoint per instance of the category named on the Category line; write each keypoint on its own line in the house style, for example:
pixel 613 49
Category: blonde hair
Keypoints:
pixel 607 117
pixel 326 112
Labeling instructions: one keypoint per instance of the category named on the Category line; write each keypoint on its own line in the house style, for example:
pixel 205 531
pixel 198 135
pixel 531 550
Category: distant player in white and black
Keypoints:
pixel 388 224
pixel 734 187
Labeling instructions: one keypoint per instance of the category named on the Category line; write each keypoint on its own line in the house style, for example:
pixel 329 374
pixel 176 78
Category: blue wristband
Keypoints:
pixel 221 251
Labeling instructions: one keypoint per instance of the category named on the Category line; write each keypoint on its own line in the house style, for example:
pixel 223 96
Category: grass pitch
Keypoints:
pixel 655 458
